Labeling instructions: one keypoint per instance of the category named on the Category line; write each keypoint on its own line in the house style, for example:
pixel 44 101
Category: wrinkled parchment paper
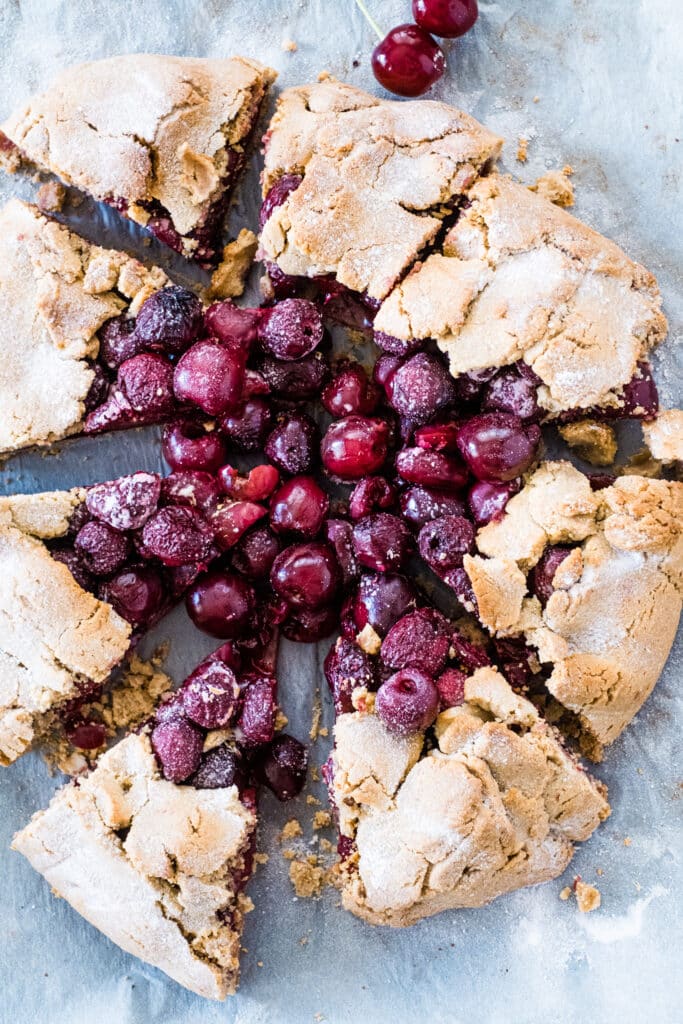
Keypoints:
pixel 597 85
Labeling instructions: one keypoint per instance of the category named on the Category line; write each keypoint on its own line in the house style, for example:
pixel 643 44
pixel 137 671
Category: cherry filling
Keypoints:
pixel 227 691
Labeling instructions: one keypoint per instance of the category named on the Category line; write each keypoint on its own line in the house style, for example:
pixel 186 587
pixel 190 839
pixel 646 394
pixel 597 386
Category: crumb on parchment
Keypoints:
pixel 291 830
pixel 556 187
pixel 307 878
pixel 522 146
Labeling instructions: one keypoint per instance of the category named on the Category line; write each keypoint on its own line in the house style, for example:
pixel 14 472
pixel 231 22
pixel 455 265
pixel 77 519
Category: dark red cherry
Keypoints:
pixel 118 341
pixel 432 469
pixel 350 392
pixel 125 503
pixel 446 18
pixel 142 394
pixel 211 695
pixel 178 745
pixel 381 599
pixel 169 320
pixel 347 667
pixel 543 573
pixel 293 444
pixel 210 376
pixel 86 735
pixel 497 446
pixel 487 501
pixel 444 542
pixel 420 639
pixel 420 505
pixel 514 392
pixel 177 535
pixel 408 61
pixel 438 437
pixel 385 367
pixel 188 445
pixel 259 708
pixel 381 542
pixel 451 688
pixel 231 519
pixel 277 195
pixel 257 485
pixel 639 397
pixel 396 346
pixel 69 558
pixel 339 534
pixel 408 702
pixel 195 489
pixel 420 388
pixel 221 604
pixel 299 506
pixel 221 768
pixel 369 494
pixel 235 327
pixel 283 767
pixel 306 575
pixel 248 427
pixel 255 552
pixel 291 330
pixel 296 380
pixel 355 446
pixel 100 548
pixel 137 593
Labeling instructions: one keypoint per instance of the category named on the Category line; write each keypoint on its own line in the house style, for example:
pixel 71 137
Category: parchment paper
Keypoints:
pixel 597 85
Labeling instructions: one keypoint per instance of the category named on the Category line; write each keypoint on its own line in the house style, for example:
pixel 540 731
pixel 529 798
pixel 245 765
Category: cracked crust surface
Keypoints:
pixel 664 436
pixel 495 806
pixel 153 865
pixel 607 629
pixel 377 176
pixel 56 292
pixel 53 634
pixel 144 127
pixel 520 278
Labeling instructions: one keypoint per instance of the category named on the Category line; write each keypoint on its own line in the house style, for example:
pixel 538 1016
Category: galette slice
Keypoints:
pixel 86 572
pixel 592 582
pixel 355 187
pixel 450 795
pixel 518 282
pixel 156 844
pixel 66 312
pixel 163 139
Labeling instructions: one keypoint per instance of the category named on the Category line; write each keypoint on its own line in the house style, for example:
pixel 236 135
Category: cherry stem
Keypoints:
pixel 360 4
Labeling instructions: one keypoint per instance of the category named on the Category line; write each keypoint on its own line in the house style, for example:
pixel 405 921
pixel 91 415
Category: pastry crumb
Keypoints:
pixel 566 893
pixel 314 731
pixel 587 897
pixel 522 146
pixel 321 819
pixel 536 99
pixel 289 45
pixel 261 858
pixel 312 801
pixel 325 76
pixel 592 441
pixel 50 197
pixel 229 277
pixel 368 640
pixel 289 854
pixel 627 841
pixel 326 846
pixel 362 699
pixel 556 187
pixel 306 878
pixel 291 830
pixel 281 721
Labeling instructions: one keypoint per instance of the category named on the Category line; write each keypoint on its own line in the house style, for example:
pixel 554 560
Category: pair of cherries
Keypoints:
pixel 408 60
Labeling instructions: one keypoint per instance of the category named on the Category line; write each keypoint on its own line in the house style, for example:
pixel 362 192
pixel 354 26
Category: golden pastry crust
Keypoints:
pixel 496 806
pixel 520 278
pixel 609 625
pixel 144 127
pixel 56 292
pixel 377 176
pixel 664 436
pixel 53 634
pixel 151 864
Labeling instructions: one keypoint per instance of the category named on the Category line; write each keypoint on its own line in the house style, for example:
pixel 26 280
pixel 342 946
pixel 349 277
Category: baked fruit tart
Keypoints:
pixel 162 139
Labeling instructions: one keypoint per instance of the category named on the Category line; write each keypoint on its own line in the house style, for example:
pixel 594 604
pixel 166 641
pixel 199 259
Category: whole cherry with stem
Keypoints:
pixel 407 60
